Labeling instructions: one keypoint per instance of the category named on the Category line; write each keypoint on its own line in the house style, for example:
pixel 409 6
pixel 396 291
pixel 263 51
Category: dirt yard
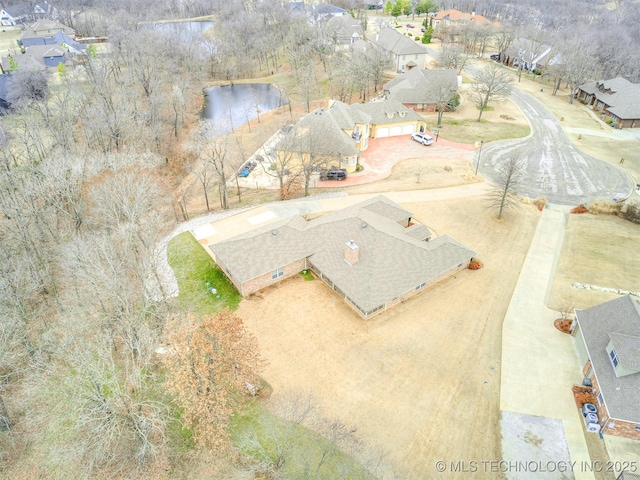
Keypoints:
pixel 598 250
pixel 422 380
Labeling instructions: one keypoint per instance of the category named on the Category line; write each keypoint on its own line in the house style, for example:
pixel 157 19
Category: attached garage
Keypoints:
pixel 382 132
pixel 409 129
pixel 396 131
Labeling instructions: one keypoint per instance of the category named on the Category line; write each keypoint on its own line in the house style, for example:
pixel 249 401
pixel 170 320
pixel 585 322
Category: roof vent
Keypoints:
pixel 363 225
pixel 274 232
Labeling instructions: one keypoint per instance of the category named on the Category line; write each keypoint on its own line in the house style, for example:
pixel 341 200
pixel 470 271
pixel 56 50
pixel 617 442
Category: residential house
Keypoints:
pixel 419 88
pixel 452 18
pixel 617 99
pixel 344 30
pixel 607 338
pixel 23 13
pixel 533 54
pixel 37 57
pixel 325 11
pixel 404 52
pixel 47 29
pixel 30 39
pixel 16 15
pixel 336 135
pixel 373 254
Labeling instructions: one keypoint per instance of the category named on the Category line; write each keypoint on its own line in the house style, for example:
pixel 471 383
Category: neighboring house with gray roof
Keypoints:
pixel 23 13
pixel 344 30
pixel 404 52
pixel 372 254
pixel 607 338
pixel 337 134
pixel 617 99
pixel 420 88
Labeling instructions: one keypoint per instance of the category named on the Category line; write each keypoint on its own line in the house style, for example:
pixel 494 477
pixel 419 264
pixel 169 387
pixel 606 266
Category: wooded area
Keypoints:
pixel 92 177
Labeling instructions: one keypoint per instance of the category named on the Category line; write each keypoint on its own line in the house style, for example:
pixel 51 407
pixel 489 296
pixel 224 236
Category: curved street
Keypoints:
pixel 555 169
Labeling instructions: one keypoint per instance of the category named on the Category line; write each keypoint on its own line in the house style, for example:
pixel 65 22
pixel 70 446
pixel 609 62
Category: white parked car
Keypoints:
pixel 422 138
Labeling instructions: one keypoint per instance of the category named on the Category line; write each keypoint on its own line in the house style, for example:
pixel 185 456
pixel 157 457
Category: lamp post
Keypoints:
pixel 479 154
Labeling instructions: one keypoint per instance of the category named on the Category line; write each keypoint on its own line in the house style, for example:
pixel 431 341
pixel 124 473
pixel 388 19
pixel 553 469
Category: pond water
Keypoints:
pixel 230 106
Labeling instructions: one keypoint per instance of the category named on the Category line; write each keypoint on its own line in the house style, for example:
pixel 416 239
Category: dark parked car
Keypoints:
pixel 495 56
pixel 334 173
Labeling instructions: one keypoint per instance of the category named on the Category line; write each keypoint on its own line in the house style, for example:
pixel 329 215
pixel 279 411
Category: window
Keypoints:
pixel 404 57
pixel 416 56
pixel 638 426
pixel 614 357
pixel 277 273
pixel 600 399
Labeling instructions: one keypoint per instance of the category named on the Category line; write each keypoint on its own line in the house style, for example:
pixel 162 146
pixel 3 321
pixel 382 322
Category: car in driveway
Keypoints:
pixel 422 138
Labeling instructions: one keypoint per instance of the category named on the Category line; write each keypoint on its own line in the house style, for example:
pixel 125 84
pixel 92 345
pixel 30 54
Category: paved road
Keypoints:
pixel 555 169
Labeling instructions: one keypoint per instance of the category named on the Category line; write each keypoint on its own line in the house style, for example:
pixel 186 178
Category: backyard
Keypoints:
pixel 420 382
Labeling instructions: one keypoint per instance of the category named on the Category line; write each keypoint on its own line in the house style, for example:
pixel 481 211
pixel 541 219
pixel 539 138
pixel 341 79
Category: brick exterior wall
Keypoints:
pixel 423 107
pixel 586 369
pixel 611 426
pixel 263 281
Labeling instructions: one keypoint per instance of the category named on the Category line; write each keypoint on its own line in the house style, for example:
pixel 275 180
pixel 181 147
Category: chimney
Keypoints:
pixel 351 252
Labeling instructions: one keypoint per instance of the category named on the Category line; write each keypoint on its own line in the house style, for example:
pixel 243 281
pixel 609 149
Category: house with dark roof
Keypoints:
pixel 374 255
pixel 607 338
pixel 325 11
pixel 22 13
pixel 420 88
pixel 30 39
pixel 337 134
pixel 404 52
pixel 617 99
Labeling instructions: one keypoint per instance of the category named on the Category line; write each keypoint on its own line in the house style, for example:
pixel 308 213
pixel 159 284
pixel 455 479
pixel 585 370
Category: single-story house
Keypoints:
pixel 607 338
pixel 617 99
pixel 372 254
pixel 419 88
pixel 404 52
pixel 339 133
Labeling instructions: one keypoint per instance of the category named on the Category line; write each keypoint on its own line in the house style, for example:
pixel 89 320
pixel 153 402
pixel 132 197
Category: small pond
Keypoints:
pixel 230 106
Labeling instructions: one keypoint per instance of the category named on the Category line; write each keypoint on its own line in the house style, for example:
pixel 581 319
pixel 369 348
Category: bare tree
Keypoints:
pixel 453 56
pixel 504 193
pixel 492 85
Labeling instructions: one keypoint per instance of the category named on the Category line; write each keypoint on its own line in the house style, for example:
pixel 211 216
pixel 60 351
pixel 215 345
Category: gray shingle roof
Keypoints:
pixel 389 111
pixel 391 262
pixel 419 84
pixel 323 131
pixel 393 41
pixel 620 317
pixel 628 350
pixel 620 95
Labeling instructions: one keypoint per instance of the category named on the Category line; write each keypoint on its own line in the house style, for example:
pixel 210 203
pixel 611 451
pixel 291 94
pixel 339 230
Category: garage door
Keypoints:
pixel 382 132
pixel 409 129
pixel 396 131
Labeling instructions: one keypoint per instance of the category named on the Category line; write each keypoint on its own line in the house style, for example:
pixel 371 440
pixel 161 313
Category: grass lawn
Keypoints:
pixel 193 268
pixel 598 250
pixel 470 130
pixel 267 437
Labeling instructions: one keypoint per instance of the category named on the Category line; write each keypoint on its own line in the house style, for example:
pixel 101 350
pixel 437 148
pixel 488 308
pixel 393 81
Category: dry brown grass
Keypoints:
pixel 602 207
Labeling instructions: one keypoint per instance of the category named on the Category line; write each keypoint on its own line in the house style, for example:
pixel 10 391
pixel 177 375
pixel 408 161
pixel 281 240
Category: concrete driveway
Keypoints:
pixel 555 169
pixel 383 153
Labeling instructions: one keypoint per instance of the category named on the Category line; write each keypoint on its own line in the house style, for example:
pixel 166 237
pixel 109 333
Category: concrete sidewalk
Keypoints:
pixel 539 363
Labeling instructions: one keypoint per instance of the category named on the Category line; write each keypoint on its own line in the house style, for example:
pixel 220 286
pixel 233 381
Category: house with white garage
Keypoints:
pixel 607 338
pixel 374 255
pixel 337 134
